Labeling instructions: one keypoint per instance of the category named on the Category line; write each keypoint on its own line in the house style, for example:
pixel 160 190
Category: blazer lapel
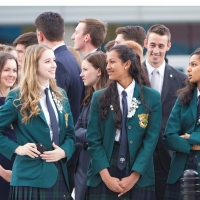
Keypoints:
pixel 168 78
pixel 193 106
pixel 41 114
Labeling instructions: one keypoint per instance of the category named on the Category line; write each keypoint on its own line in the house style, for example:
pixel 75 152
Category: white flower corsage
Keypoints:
pixel 133 107
pixel 57 102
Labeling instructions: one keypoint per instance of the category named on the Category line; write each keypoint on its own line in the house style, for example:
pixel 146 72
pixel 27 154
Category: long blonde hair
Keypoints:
pixel 30 88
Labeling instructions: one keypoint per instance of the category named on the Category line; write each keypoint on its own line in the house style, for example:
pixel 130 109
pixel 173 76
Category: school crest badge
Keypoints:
pixel 143 120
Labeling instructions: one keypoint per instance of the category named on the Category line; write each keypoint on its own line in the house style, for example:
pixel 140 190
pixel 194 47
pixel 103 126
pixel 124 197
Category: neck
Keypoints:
pixel 87 50
pixel 4 92
pixel 155 65
pixel 126 82
pixel 52 44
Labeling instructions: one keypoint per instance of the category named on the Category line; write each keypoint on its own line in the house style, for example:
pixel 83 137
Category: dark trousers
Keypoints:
pixel 160 177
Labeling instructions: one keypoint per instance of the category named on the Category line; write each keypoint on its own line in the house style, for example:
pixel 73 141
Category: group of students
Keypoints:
pixel 116 132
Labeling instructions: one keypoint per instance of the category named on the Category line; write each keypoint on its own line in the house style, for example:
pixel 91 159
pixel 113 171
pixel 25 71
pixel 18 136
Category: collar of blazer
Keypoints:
pixel 168 77
pixel 60 115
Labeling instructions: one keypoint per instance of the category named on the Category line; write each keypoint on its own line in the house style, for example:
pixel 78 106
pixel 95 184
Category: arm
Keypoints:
pixel 94 137
pixel 5 174
pixel 150 138
pixel 172 133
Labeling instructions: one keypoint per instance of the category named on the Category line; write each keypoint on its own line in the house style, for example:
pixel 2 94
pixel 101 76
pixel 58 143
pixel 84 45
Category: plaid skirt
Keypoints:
pixel 102 192
pixel 59 191
pixel 173 191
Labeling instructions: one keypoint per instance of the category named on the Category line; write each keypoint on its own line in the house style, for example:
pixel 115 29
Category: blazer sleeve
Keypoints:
pixel 150 139
pixel 8 114
pixel 94 136
pixel 172 138
pixel 69 141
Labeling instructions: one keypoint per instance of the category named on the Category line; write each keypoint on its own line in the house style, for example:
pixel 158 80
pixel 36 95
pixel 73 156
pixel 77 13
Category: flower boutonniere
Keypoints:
pixel 58 102
pixel 133 107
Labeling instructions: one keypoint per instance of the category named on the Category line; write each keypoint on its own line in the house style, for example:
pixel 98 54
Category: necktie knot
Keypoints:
pixel 155 71
pixel 46 91
pixel 124 94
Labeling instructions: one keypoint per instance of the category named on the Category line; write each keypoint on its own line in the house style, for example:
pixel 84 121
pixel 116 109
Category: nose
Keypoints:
pixel 189 69
pixel 156 50
pixel 81 74
pixel 72 37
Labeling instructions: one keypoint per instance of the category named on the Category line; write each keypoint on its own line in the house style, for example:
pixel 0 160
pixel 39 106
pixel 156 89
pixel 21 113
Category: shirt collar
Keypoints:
pixel 93 50
pixel 129 90
pixel 198 92
pixel 54 48
pixel 161 68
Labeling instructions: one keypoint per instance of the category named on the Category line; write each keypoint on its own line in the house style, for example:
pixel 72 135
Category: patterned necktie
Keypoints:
pixel 54 123
pixel 121 164
pixel 155 80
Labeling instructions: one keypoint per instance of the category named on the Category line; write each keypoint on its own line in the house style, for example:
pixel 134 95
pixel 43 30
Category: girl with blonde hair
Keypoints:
pixel 40 114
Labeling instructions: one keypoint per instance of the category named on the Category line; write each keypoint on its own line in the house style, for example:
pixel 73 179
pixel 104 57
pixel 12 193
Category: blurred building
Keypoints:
pixel 183 22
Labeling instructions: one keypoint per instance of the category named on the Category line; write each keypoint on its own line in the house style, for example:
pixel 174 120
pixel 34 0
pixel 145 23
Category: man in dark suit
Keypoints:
pixel 89 35
pixel 50 32
pixel 167 81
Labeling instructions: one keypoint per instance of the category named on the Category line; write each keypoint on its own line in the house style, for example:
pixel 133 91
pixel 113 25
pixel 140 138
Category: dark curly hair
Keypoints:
pixel 110 96
pixel 185 94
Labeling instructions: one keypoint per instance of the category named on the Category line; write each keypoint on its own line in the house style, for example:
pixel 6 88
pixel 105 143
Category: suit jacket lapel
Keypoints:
pixel 168 78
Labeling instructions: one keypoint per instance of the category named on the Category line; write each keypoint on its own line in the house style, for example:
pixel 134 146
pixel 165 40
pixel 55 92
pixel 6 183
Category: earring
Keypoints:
pixel 125 68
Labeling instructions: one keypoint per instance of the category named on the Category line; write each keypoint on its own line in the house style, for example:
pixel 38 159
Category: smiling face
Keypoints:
pixel 90 75
pixel 8 75
pixel 117 70
pixel 193 69
pixel 46 67
pixel 157 46
pixel 78 37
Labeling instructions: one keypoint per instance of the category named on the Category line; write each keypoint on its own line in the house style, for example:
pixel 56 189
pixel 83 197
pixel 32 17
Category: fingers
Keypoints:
pixel 55 146
pixel 122 193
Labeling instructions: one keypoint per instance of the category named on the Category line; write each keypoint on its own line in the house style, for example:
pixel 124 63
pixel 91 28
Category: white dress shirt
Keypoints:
pixel 129 90
pixel 161 71
pixel 46 112
pixel 54 48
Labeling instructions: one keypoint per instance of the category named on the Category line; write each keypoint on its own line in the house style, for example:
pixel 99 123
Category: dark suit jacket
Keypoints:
pixel 68 78
pixel 173 80
pixel 183 119
pixel 35 172
pixel 141 140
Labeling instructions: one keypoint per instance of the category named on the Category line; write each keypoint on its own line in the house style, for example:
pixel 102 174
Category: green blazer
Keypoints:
pixel 182 120
pixel 141 139
pixel 35 172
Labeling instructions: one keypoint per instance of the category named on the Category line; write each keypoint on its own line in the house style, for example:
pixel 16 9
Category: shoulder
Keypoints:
pixel 14 94
pixel 176 72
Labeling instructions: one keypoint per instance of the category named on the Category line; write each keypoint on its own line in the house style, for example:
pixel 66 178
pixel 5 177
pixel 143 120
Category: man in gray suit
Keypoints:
pixel 167 81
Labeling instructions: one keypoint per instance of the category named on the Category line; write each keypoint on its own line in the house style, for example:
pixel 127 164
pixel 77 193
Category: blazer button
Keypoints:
pixel 129 127
pixel 131 142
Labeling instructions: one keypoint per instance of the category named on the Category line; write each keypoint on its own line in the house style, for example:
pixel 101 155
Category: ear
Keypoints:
pixel 127 64
pixel 40 36
pixel 87 38
pixel 145 43
pixel 98 72
pixel 168 46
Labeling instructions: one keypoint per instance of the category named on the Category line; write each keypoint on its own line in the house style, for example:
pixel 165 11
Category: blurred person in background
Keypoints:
pixel 8 79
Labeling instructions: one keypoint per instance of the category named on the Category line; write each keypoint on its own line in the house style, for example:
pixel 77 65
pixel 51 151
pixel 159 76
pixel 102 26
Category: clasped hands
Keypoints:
pixel 120 186
pixel 195 146
pixel 30 150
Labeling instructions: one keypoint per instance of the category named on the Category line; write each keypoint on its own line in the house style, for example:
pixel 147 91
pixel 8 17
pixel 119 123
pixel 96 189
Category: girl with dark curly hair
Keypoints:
pixel 122 131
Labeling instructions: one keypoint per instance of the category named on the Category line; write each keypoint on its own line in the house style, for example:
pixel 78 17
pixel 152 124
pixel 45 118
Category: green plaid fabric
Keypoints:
pixel 101 192
pixel 58 192
pixel 173 191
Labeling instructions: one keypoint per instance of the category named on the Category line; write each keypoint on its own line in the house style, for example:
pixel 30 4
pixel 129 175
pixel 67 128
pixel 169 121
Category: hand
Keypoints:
pixel 54 155
pixel 28 149
pixel 111 182
pixel 195 147
pixel 185 136
pixel 5 174
pixel 128 182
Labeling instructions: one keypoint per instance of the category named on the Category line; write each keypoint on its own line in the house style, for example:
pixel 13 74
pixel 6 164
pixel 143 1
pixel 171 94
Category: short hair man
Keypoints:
pixel 50 32
pixel 167 81
pixel 22 42
pixel 109 45
pixel 89 35
pixel 134 33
